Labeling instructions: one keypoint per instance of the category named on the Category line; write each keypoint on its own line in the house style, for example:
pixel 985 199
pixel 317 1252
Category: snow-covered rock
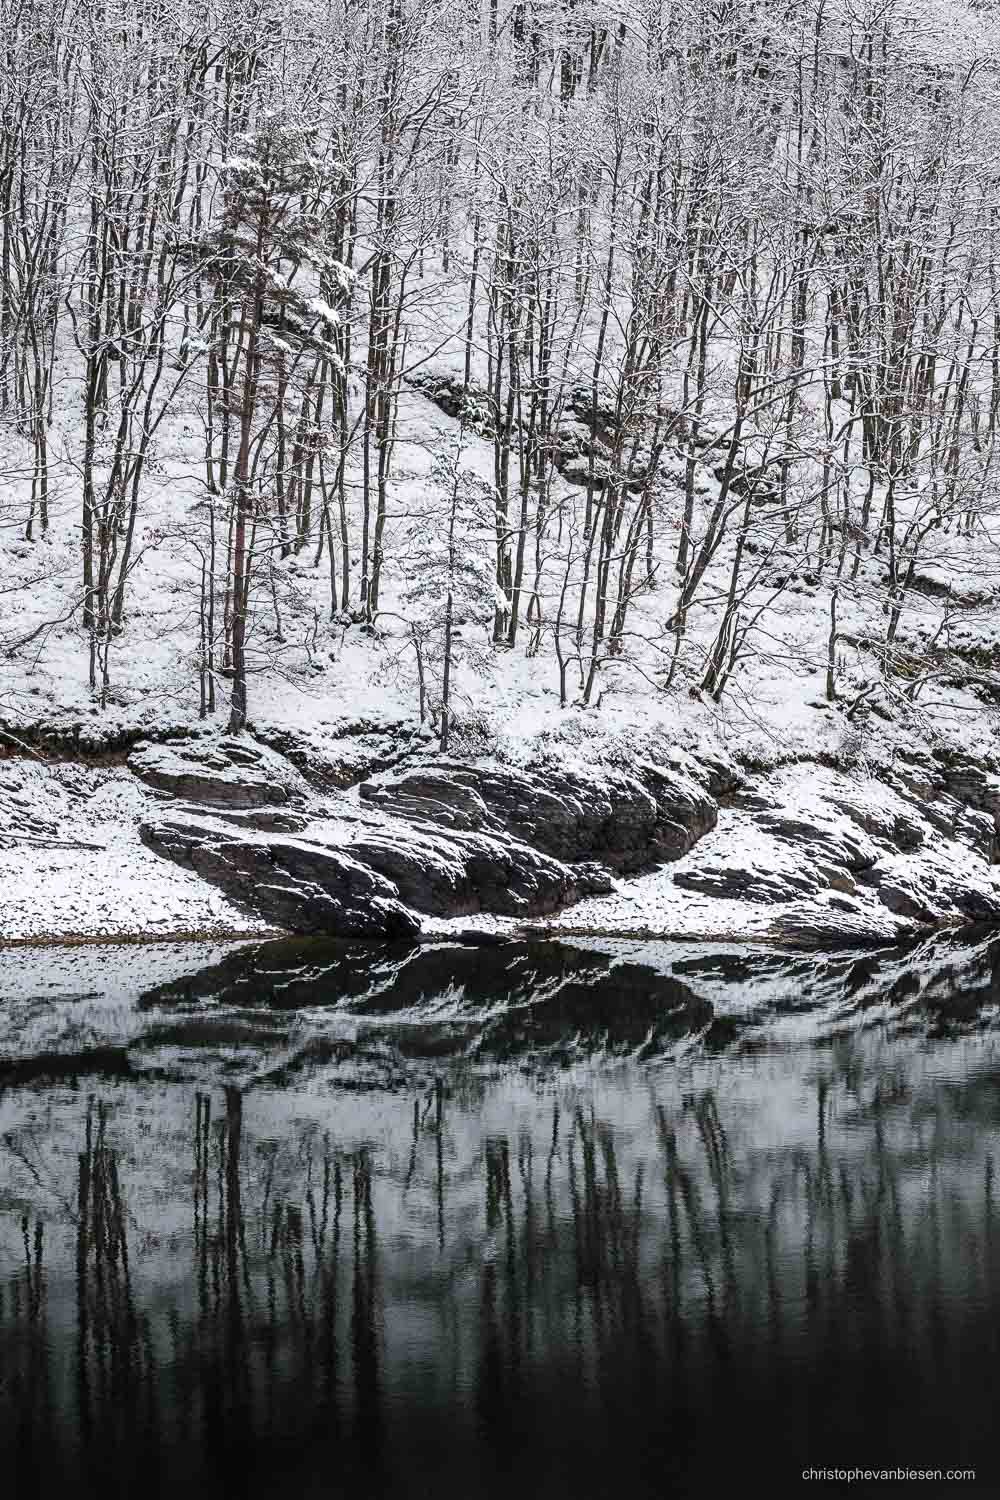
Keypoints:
pixel 339 753
pixel 229 772
pixel 811 857
pixel 315 882
pixel 450 873
pixel 300 885
pixel 441 838
pixel 626 819
pixel 660 843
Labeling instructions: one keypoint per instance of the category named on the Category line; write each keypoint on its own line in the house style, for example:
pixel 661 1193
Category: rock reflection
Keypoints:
pixel 635 1277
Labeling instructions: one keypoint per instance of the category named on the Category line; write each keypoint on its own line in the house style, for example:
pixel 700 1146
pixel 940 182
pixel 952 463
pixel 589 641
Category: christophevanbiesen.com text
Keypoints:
pixel 851 1476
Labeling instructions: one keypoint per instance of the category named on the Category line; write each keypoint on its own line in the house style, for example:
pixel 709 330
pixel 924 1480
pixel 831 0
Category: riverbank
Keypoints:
pixel 216 838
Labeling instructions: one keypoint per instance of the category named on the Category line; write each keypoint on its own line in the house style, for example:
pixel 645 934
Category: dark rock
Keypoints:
pixel 305 887
pixel 979 830
pixel 100 741
pixel 313 885
pixel 582 440
pixel 935 587
pixel 459 873
pixel 916 775
pixel 450 838
pixel 257 819
pixel 339 755
pixel 820 839
pixel 445 838
pixel 934 894
pixel 449 394
pixel 713 766
pixel 742 881
pixel 905 899
pixel 951 817
pixel 856 842
pixel 895 828
pixel 627 820
pixel 837 880
pixel 751 801
pixel 976 787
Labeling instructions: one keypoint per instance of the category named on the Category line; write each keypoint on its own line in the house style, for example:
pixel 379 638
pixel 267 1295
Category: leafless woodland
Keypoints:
pixel 647 342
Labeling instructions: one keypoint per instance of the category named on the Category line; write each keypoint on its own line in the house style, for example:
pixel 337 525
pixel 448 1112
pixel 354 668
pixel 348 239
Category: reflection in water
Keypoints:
pixel 644 1277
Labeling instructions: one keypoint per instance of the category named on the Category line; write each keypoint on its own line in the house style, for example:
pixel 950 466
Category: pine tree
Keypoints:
pixel 271 231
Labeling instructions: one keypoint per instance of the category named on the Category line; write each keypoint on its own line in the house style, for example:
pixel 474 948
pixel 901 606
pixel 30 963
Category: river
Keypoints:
pixel 601 1220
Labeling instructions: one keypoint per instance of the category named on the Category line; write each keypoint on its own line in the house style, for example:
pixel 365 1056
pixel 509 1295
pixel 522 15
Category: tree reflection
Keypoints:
pixel 628 1276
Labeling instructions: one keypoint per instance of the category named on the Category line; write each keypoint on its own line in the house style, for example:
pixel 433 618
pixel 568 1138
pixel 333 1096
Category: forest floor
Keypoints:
pixel 71 862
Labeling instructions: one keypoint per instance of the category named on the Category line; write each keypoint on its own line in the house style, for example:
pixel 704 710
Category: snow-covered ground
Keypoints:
pixel 314 670
pixel 82 871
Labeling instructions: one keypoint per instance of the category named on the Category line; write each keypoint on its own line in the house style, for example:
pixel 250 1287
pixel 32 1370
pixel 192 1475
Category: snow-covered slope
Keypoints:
pixel 224 836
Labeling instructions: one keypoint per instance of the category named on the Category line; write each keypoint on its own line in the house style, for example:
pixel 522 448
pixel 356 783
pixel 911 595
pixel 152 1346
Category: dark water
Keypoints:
pixel 512 1221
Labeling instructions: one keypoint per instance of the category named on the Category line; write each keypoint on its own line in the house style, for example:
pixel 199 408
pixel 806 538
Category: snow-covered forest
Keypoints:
pixel 499 745
pixel 605 351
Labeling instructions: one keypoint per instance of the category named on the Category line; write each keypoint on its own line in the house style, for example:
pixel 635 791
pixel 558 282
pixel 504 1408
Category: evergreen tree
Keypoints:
pixel 271 233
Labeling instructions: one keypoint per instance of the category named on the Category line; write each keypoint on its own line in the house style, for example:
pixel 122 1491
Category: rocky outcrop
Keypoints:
pixel 780 853
pixel 811 857
pixel 458 874
pixel 367 877
pixel 336 755
pixel 663 844
pixel 580 440
pixel 440 839
pixel 294 883
pixel 232 773
pixel 628 820
pixel 972 785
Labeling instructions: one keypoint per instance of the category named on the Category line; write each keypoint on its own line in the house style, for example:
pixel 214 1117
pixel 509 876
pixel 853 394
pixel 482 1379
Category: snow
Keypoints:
pixel 323 310
pixel 775 706
pixel 119 889
pixel 655 905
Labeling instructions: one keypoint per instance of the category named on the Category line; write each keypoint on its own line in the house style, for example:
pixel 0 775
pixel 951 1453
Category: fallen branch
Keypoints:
pixel 28 838
pixel 12 739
